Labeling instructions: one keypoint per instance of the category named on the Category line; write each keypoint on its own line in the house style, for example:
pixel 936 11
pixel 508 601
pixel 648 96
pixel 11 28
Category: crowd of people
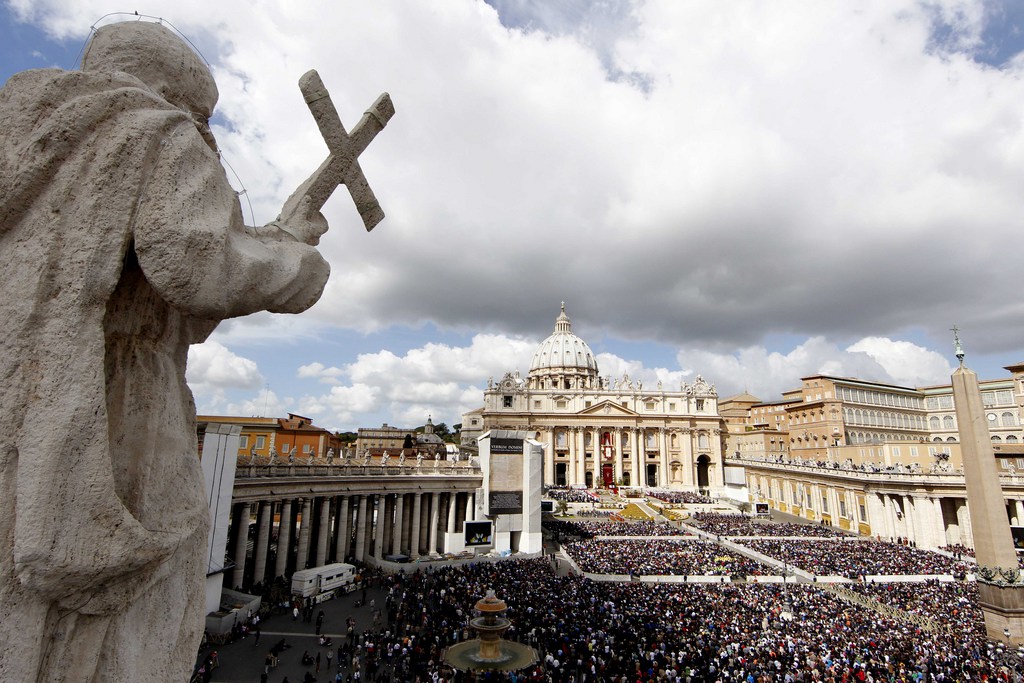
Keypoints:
pixel 855 559
pixel 950 604
pixel 586 631
pixel 570 495
pixel 677 497
pixel 660 557
pixel 560 528
pixel 719 524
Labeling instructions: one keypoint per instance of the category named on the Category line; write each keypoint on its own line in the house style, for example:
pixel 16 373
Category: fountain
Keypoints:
pixel 489 652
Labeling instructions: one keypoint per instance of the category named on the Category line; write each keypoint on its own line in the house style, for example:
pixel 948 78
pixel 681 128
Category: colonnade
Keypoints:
pixel 275 537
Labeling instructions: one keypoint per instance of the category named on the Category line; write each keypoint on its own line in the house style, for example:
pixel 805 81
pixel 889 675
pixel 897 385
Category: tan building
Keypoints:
pixel 263 436
pixel 376 440
pixel 599 431
pixel 878 459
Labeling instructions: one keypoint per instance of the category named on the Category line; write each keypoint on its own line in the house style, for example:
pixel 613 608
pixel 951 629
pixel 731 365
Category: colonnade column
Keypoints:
pixel 396 545
pixel 360 552
pixel 435 520
pixel 1018 506
pixel 266 517
pixel 284 539
pixel 417 532
pixel 342 537
pixel 324 532
pixel 302 558
pixel 378 534
pixel 940 516
pixel 241 544
pixel 595 448
pixel 469 507
pixel 452 498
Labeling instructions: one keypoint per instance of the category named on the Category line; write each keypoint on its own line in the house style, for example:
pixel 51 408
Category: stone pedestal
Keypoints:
pixel 1003 607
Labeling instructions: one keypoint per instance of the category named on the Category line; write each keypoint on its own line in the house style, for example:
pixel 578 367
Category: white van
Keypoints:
pixel 328 578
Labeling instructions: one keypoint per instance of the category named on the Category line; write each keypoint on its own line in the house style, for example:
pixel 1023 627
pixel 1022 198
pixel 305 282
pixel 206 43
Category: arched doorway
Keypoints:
pixel 703 467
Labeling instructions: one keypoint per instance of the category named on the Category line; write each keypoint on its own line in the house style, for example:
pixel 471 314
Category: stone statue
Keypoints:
pixel 384 459
pixel 401 459
pixel 330 456
pixel 123 245
pixel 419 460
pixel 291 457
pixel 273 454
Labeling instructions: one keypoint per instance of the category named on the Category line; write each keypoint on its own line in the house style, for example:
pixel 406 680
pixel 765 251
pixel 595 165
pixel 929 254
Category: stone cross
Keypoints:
pixel 342 166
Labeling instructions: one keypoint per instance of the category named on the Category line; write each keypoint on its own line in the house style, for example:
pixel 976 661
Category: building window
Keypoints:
pixel 536 404
pixel 244 443
pixel 862 511
pixel 842 508
pixel 824 503
pixel 506 401
pixel 649 405
pixel 587 404
pixel 1009 420
pixel 306 448
pixel 560 403
pixel 700 404
pixel 260 442
pixel 672 406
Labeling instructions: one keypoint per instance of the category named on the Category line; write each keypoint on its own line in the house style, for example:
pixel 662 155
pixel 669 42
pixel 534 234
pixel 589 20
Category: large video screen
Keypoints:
pixel 479 534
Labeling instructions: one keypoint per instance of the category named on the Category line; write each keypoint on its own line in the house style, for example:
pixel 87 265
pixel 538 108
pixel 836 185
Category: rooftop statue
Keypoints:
pixel 123 244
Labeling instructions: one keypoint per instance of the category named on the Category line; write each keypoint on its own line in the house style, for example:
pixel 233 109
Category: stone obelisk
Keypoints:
pixel 1000 587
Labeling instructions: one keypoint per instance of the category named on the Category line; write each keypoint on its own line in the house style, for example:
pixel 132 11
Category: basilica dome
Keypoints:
pixel 563 353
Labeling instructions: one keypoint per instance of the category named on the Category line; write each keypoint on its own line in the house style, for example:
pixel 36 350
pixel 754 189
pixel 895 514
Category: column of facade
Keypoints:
pixel 266 518
pixel 470 510
pixel 580 474
pixel 284 539
pixel 549 458
pixel 435 520
pixel 1018 505
pixel 359 555
pixel 595 449
pixel 666 475
pixel 635 459
pixel 241 544
pixel 380 526
pixel 343 535
pixel 396 538
pixel 689 466
pixel 617 450
pixel 323 532
pixel 417 531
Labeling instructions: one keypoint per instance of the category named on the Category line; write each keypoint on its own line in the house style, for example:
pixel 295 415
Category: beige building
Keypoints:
pixel 875 458
pixel 599 431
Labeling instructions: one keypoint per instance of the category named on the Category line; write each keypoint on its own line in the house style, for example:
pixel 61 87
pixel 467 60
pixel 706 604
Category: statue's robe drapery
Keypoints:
pixel 122 243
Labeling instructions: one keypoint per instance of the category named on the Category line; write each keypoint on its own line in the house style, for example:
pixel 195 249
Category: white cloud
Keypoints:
pixel 905 362
pixel 213 369
pixel 819 170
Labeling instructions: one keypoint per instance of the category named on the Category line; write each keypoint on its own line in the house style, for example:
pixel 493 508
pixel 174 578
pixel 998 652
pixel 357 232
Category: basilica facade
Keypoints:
pixel 601 431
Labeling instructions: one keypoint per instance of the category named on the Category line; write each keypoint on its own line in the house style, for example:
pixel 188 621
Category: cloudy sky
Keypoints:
pixel 747 190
